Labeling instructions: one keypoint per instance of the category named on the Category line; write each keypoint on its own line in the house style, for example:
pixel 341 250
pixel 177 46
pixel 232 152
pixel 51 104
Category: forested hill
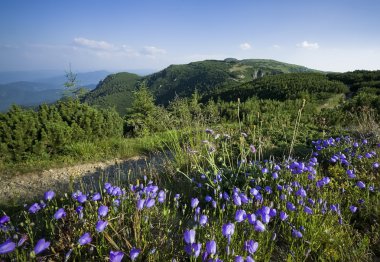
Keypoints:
pixel 358 79
pixel 282 87
pixel 115 90
pixel 183 80
pixel 206 76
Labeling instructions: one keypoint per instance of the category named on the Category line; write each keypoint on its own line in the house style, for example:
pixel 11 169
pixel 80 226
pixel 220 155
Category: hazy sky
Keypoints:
pixel 119 35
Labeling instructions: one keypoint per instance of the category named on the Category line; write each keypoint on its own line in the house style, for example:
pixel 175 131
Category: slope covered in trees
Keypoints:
pixel 206 76
pixel 365 90
pixel 358 79
pixel 114 91
pixel 282 87
pixel 183 80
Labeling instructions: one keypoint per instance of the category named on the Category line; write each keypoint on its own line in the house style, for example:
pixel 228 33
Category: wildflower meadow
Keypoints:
pixel 228 204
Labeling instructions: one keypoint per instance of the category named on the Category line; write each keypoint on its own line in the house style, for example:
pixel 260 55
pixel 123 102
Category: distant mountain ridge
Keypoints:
pixel 35 90
pixel 182 80
pixel 29 76
pixel 84 79
pixel 27 94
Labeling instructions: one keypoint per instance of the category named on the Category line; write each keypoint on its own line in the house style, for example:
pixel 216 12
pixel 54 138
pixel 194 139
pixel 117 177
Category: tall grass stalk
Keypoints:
pixel 296 127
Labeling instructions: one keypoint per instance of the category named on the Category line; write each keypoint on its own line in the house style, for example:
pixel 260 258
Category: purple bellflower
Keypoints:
pixel 41 246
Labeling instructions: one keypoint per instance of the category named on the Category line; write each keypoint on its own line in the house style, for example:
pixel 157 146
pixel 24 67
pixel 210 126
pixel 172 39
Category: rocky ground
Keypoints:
pixel 20 189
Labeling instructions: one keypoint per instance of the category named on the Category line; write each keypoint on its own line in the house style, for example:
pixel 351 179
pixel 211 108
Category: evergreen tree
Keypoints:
pixel 140 116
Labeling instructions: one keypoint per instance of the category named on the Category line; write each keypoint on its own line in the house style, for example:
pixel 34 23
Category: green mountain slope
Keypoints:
pixel 114 91
pixel 207 76
pixel 282 87
pixel 358 79
pixel 273 66
pixel 182 80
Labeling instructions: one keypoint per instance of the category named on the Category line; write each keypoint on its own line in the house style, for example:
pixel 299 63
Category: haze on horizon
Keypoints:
pixel 121 35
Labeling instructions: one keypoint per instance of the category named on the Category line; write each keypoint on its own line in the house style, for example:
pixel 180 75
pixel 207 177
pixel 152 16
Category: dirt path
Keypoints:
pixel 23 188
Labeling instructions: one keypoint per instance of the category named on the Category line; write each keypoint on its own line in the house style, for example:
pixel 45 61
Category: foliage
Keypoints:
pixel 27 134
pixel 206 76
pixel 282 87
pixel 143 117
pixel 71 79
pixel 115 90
pixel 72 86
pixel 358 79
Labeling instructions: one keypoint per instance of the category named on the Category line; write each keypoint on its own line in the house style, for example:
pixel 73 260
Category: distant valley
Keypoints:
pixel 37 87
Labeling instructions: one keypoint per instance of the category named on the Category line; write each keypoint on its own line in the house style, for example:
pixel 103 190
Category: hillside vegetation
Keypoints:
pixel 332 101
pixel 272 166
pixel 282 87
pixel 183 80
pixel 358 79
pixel 114 91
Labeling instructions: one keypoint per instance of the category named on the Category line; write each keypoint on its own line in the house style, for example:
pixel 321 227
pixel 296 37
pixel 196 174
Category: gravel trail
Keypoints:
pixel 20 189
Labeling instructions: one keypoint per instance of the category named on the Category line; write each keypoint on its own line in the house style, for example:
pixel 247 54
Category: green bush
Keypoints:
pixel 28 134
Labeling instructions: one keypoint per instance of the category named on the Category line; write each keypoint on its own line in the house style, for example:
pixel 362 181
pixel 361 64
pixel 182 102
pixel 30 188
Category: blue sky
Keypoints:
pixel 120 35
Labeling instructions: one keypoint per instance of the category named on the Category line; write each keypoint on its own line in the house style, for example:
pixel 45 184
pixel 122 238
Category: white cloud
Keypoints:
pixel 128 51
pixel 84 54
pixel 7 46
pixel 199 57
pixel 93 44
pixel 245 46
pixel 152 51
pixel 307 45
pixel 107 50
pixel 276 46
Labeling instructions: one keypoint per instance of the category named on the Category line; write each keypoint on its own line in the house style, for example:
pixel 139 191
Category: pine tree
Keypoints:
pixel 140 116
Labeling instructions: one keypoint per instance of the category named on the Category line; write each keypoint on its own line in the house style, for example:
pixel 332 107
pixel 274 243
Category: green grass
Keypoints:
pixel 331 102
pixel 87 152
